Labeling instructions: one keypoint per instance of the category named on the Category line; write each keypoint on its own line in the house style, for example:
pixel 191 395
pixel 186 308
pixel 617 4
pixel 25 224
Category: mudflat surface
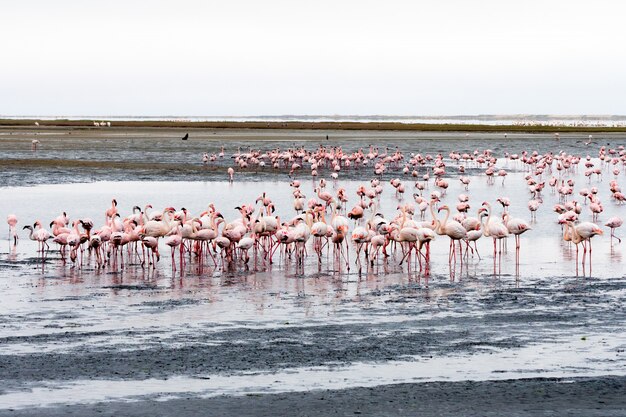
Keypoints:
pixel 259 339
pixel 73 155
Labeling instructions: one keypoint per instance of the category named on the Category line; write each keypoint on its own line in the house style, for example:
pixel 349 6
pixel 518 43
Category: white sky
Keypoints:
pixel 315 57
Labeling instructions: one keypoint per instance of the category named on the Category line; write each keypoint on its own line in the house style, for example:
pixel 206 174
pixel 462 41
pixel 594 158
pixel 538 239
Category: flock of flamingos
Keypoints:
pixel 334 221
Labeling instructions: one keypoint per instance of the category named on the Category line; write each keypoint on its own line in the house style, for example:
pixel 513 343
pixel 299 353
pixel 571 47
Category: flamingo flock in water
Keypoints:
pixel 334 220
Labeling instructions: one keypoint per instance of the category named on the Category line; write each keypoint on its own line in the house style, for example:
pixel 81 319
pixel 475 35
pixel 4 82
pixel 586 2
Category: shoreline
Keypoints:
pixel 600 396
pixel 371 126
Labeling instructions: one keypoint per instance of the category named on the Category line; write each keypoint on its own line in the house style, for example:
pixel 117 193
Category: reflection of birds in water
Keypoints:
pixel 186 136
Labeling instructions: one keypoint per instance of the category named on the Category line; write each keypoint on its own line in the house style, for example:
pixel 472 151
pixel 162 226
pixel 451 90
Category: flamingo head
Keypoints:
pixel 444 207
pixel 27 227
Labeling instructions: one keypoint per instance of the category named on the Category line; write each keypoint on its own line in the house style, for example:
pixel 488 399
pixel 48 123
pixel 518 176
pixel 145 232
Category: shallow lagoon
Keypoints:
pixel 67 332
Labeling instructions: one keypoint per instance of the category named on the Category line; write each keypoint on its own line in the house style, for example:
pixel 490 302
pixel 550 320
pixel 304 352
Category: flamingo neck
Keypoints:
pixel 442 225
pixel 486 229
pixel 432 212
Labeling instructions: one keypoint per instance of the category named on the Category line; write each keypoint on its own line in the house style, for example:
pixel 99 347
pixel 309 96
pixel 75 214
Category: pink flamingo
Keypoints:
pixel 502 173
pixel 12 221
pixel 61 240
pixel 613 223
pixel 40 235
pixel 338 238
pixel 111 212
pixel 454 230
pixel 324 196
pixel 174 241
pixel 516 227
pixel 153 246
pixel 244 245
pixel 582 233
pixel 360 238
pixel 496 230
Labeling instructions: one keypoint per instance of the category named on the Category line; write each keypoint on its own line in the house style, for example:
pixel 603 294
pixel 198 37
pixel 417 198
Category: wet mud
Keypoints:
pixel 516 398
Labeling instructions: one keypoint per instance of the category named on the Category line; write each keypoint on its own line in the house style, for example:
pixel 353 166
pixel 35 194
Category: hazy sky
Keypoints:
pixel 315 57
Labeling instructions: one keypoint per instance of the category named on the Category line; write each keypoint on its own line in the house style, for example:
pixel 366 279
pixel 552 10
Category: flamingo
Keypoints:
pixel 494 229
pixel 454 230
pixel 324 196
pixel 473 236
pixel 244 245
pixel 581 233
pixel 111 212
pixel 516 227
pixel 360 238
pixel 40 235
pixel 614 223
pixel 12 222
pixel 175 240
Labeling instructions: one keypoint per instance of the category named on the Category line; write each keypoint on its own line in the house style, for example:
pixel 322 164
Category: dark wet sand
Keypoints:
pixel 524 397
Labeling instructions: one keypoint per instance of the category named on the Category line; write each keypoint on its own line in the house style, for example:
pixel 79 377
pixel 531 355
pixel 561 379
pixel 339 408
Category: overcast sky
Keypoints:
pixel 315 57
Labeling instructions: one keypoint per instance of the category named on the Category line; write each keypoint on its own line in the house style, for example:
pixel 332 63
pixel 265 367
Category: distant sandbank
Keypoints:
pixel 298 125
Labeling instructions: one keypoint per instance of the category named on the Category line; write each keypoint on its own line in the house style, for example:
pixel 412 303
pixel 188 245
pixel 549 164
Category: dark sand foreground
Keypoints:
pixel 531 397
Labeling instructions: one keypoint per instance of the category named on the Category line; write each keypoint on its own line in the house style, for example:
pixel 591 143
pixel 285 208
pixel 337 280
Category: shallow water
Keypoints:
pixel 266 328
pixel 159 154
